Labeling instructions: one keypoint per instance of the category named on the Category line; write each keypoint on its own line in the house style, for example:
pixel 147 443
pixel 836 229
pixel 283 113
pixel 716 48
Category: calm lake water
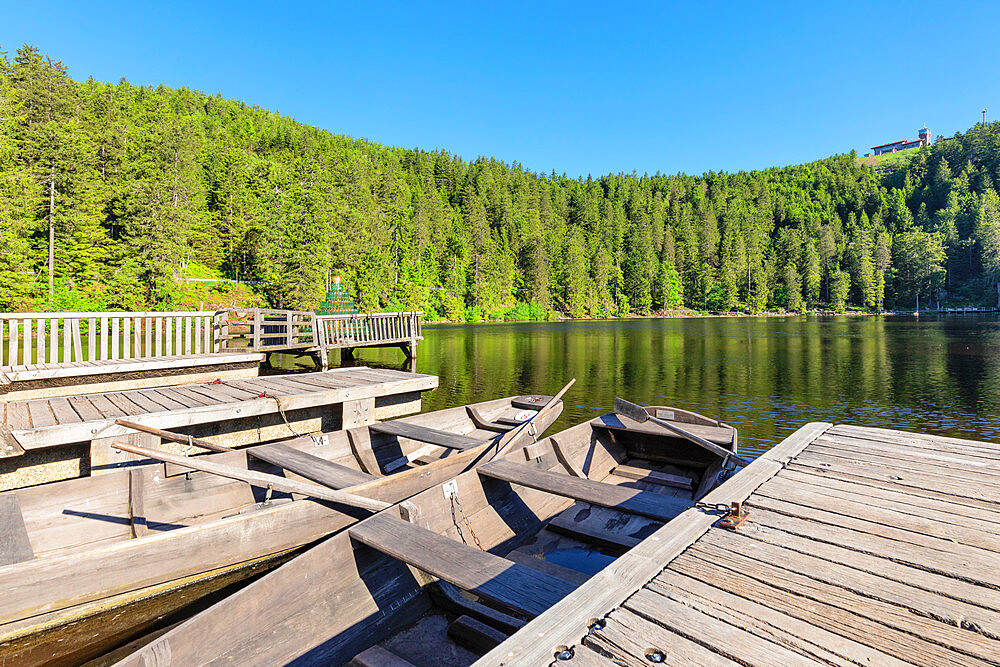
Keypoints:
pixel 766 376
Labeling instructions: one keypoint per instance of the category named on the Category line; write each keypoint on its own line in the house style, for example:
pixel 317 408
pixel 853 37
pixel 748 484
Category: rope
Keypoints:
pixel 281 411
pixel 455 502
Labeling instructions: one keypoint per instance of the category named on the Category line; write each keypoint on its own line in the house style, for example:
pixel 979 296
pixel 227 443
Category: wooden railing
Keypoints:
pixel 264 330
pixel 368 329
pixel 37 338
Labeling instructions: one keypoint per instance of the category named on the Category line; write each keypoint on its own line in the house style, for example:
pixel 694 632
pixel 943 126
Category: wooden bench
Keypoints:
pixel 623 499
pixel 431 436
pixel 58 354
pixel 491 577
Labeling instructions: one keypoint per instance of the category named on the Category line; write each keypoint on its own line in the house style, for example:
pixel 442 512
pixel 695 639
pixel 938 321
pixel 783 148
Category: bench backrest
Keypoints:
pixel 52 338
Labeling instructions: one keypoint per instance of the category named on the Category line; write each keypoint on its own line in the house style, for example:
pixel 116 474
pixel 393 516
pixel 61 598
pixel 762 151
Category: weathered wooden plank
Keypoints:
pixel 53 436
pixel 874 613
pixel 944 465
pixel 615 422
pixel 919 449
pixel 820 614
pixel 883 567
pixel 259 479
pixel 633 501
pixel 908 437
pixel 107 409
pixel 895 519
pixel 474 635
pixel 811 640
pixel 166 399
pixel 729 640
pixel 40 413
pixel 509 584
pixel 539 564
pixel 311 467
pixel 917 483
pixel 136 502
pixel 976 570
pixel 376 656
pixel 63 411
pixel 654 477
pixel 86 410
pixel 866 525
pixel 629 638
pixel 985 483
pixel 17 416
pixel 123 403
pixel 895 498
pixel 924 603
pixel 603 526
pixel 9 446
pixel 426 434
pixel 450 598
pixel 15 545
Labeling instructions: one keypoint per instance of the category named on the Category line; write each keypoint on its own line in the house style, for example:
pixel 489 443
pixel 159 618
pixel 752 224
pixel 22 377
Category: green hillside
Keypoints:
pixel 141 186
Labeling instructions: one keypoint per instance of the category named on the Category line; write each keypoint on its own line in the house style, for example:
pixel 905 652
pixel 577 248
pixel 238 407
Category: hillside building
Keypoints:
pixel 923 139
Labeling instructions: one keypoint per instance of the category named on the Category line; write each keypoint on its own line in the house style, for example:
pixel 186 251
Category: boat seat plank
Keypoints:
pixel 426 434
pixel 494 578
pixel 309 466
pixel 654 477
pixel 602 526
pixel 616 422
pixel 632 501
pixel 14 543
pixel 377 656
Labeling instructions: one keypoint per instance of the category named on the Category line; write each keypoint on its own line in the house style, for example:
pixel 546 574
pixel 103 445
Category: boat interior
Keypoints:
pixel 447 575
pixel 73 515
pixel 82 548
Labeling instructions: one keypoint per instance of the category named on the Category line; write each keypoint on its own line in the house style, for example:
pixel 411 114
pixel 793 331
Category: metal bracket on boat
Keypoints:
pixel 267 495
pixel 734 514
pixel 320 440
pixel 735 517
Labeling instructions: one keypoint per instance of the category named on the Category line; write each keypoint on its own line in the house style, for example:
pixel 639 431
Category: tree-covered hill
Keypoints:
pixel 122 192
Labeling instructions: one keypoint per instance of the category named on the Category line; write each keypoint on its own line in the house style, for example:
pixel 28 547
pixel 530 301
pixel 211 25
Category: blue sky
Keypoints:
pixel 578 88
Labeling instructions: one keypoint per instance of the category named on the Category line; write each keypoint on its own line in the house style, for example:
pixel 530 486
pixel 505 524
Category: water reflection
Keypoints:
pixel 766 376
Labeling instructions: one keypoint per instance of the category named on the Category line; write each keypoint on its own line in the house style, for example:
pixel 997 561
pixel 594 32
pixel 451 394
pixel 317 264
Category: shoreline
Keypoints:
pixel 693 314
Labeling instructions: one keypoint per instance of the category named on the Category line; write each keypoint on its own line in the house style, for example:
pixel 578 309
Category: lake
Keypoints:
pixel 766 376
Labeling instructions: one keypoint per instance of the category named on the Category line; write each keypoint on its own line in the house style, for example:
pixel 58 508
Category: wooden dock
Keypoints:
pixel 231 412
pixel 862 546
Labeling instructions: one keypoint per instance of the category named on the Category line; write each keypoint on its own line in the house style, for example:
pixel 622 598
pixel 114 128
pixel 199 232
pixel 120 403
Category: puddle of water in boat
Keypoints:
pixel 580 559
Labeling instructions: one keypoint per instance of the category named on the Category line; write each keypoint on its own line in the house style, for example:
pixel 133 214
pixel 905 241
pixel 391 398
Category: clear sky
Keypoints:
pixel 579 88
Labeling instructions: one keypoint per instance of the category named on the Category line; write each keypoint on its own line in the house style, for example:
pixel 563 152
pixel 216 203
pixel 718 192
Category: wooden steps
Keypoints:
pixel 311 467
pixel 426 434
pixel 632 501
pixel 496 579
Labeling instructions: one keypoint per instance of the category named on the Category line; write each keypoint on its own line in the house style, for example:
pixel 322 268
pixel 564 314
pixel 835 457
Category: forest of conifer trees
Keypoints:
pixel 113 196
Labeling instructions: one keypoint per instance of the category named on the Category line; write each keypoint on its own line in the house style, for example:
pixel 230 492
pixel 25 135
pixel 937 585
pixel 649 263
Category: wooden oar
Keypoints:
pixel 173 437
pixel 638 413
pixel 259 479
pixel 516 434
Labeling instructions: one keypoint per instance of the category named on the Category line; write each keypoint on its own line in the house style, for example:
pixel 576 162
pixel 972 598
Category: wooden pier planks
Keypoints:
pixel 888 557
pixel 59 421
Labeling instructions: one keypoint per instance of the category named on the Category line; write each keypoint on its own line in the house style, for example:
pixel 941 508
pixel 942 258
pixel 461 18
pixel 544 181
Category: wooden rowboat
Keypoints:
pixel 447 575
pixel 88 564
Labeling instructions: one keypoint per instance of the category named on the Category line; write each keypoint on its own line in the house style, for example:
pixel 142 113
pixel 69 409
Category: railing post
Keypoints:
pixel 258 322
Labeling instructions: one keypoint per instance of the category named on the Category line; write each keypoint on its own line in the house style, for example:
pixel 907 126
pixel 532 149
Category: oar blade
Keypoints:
pixel 631 410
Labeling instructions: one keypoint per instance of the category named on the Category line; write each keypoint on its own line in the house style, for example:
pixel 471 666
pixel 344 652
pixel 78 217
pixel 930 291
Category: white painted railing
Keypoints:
pixel 266 330
pixel 368 329
pixel 37 338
